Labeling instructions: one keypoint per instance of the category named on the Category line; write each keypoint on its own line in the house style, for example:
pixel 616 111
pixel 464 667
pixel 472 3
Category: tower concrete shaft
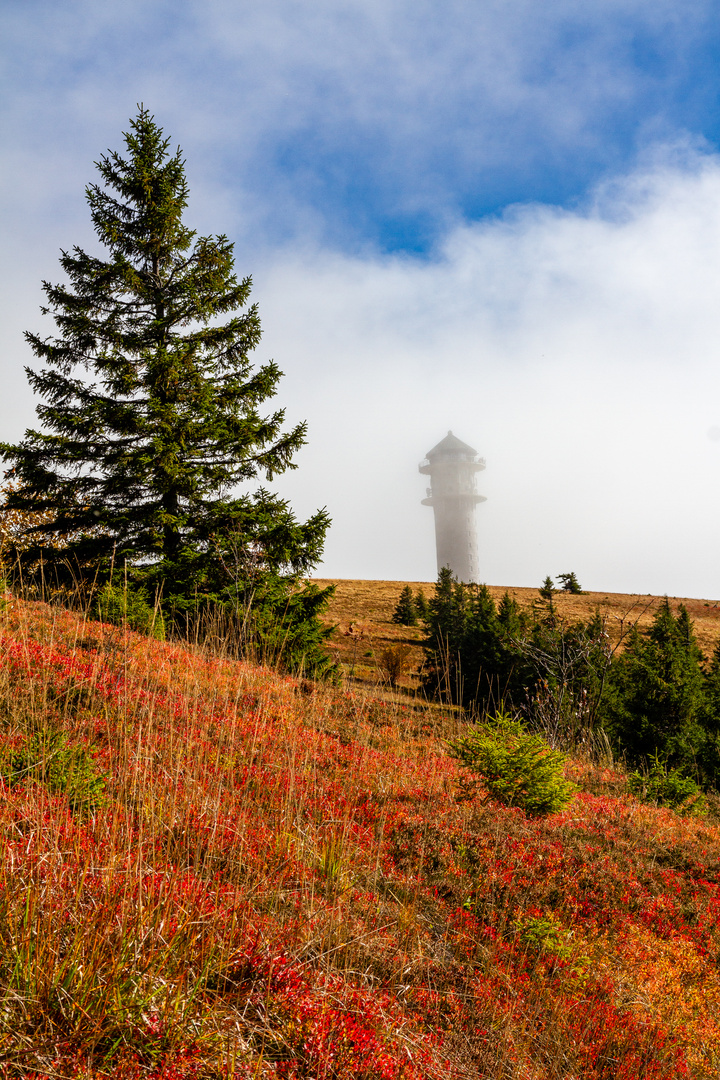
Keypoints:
pixel 451 466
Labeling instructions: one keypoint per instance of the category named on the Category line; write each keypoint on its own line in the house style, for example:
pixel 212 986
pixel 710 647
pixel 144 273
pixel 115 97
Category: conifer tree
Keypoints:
pixel 471 657
pixel 405 613
pixel 547 589
pixel 656 699
pixel 712 691
pixel 422 608
pixel 570 583
pixel 137 465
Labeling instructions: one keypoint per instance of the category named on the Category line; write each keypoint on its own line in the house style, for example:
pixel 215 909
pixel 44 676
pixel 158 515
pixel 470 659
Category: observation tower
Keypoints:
pixel 451 466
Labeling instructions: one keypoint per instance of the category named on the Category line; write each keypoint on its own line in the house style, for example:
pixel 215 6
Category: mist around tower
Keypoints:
pixel 452 466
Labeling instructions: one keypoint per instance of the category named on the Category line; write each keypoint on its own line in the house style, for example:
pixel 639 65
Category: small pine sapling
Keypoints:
pixel 422 608
pixel 405 613
pixel 517 767
pixel 663 786
pixel 49 759
pixel 547 589
pixel 128 607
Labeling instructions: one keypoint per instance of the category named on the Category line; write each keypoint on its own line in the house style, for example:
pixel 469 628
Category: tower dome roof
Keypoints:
pixel 450 445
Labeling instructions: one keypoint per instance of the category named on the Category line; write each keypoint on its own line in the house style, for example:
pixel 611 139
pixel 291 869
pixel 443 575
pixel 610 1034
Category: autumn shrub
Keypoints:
pixel 517 767
pixel 395 661
pixel 664 786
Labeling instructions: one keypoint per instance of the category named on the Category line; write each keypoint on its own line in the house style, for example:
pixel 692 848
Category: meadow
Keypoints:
pixel 211 870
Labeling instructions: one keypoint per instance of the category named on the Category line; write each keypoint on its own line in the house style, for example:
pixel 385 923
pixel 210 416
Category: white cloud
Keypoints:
pixel 577 349
pixel 579 352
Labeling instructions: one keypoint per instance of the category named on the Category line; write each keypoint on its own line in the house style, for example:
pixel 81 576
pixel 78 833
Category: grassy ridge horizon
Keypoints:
pixel 362 610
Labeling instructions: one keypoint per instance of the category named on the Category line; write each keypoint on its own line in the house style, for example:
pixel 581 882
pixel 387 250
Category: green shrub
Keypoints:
pixel 668 787
pixel 542 934
pixel 127 606
pixel 62 769
pixel 518 768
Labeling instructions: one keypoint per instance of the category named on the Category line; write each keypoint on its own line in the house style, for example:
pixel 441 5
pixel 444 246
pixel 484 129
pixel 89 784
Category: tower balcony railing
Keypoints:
pixel 427 466
pixel 449 491
pixel 458 495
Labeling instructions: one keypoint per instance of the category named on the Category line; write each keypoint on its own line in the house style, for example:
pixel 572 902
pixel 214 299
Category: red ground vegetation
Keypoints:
pixel 281 880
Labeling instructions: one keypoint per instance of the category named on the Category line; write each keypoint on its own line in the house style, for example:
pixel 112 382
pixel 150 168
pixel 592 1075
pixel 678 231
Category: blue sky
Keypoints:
pixel 371 123
pixel 500 217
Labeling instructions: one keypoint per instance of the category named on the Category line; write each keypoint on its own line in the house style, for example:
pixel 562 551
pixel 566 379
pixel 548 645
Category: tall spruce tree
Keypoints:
pixel 137 466
pixel 655 702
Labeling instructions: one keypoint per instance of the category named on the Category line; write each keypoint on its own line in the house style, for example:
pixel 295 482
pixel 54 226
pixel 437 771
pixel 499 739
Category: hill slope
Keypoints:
pixel 213 871
pixel 362 612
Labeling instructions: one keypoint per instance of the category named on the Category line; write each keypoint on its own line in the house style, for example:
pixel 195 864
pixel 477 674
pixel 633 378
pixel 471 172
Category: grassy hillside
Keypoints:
pixel 213 871
pixel 362 612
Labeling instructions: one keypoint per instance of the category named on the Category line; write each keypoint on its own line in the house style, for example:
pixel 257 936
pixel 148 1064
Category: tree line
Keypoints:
pixel 655 699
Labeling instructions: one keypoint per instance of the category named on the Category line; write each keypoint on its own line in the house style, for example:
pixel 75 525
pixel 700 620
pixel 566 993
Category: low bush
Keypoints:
pixel 542 934
pixel 62 769
pixel 661 786
pixel 127 606
pixel 517 767
pixel 396 661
